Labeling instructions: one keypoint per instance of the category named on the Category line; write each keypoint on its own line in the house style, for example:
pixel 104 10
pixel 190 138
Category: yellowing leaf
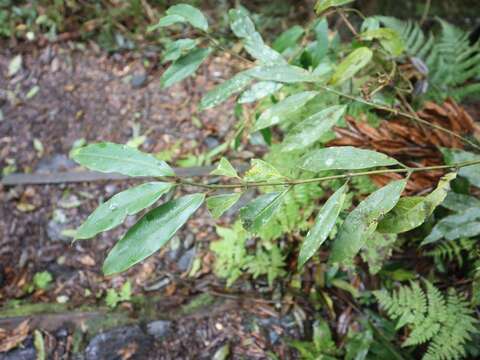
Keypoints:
pixel 322 5
pixel 224 168
pixel 352 64
pixel 411 212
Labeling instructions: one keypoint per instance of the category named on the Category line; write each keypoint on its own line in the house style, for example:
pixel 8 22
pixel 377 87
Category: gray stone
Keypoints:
pixel 106 345
pixel 186 260
pixel 138 80
pixel 188 241
pixel 159 328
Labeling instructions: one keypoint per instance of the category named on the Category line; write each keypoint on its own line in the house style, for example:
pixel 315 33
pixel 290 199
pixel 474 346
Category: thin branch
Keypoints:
pixel 349 175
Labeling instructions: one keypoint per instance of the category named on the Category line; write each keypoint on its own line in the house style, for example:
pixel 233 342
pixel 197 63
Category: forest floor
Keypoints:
pixel 66 94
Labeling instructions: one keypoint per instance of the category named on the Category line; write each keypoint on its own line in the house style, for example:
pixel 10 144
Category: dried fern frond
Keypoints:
pixel 409 142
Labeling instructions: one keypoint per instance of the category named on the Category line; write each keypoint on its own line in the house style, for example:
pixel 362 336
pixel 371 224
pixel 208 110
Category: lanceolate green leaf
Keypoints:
pixel 363 220
pixel 463 224
pixel 287 74
pixel 324 223
pixel 288 38
pixel 283 110
pixel 114 211
pixel 322 5
pixel 151 233
pixel 259 211
pixel 259 91
pixel 345 158
pixel 226 89
pixel 353 63
pixel 190 14
pixel 176 49
pixel 224 168
pixel 471 173
pixel 184 66
pixel 110 157
pixel 243 27
pixel 218 204
pixel 412 212
pixel 312 129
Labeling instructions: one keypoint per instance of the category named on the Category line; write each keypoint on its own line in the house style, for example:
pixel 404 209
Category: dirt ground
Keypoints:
pixel 82 93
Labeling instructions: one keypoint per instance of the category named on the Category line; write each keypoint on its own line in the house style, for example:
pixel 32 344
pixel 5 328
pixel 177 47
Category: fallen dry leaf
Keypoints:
pixel 9 341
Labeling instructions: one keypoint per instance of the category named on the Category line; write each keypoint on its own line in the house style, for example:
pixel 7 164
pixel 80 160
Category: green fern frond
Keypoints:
pixel 449 251
pixel 446 322
pixel 453 63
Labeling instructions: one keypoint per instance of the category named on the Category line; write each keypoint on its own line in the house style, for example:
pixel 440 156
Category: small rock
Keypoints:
pixel 111 188
pixel 188 241
pixel 211 142
pixel 61 333
pixel 159 329
pixel 186 260
pixel 55 231
pixel 107 345
pixel 59 162
pixel 138 80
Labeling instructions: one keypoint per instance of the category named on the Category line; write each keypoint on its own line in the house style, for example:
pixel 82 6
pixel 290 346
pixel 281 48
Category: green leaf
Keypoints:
pixel 456 226
pixel 178 48
pixel 352 64
pixel 460 202
pixel 184 66
pixel 378 248
pixel 259 211
pixel 224 168
pixel 282 110
pixel 412 212
pixel 324 223
pixel 41 280
pixel 287 74
pixel 471 173
pixel 345 158
pixel 288 38
pixel 218 204
pixel 362 222
pixel 322 5
pixel 389 39
pixel 262 171
pixel 151 233
pixel 243 27
pixel 226 89
pixel 259 91
pixel 313 128
pixel 110 157
pixel 166 21
pixel 190 14
pixel 114 211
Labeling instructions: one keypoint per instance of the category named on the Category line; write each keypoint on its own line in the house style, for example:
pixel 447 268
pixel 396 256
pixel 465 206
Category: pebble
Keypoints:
pixel 186 260
pixel 106 345
pixel 159 328
pixel 138 80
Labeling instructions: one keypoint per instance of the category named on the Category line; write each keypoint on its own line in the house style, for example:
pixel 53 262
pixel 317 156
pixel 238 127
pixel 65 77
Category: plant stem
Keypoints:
pixel 327 178
pixel 400 113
